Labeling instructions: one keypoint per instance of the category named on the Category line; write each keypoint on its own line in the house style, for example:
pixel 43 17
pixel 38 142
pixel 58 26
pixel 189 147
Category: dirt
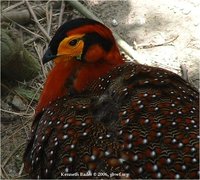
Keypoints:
pixel 155 22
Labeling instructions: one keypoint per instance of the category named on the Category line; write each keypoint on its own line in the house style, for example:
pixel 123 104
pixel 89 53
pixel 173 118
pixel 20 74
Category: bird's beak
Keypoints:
pixel 48 56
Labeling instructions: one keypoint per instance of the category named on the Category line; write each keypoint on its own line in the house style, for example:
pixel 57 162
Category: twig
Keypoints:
pixel 21 169
pixel 25 28
pixel 13 6
pixel 25 129
pixel 4 173
pixel 62 8
pixel 12 153
pixel 11 91
pixel 49 13
pixel 30 40
pixel 19 114
pixel 36 20
pixel 16 131
pixel 29 105
pixel 21 16
pixel 156 45
pixel 40 59
pixel 24 176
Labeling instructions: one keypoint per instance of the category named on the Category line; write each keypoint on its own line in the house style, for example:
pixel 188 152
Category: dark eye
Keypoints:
pixel 73 42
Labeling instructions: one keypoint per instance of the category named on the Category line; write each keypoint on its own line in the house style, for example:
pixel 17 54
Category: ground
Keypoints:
pixel 156 22
pixel 163 33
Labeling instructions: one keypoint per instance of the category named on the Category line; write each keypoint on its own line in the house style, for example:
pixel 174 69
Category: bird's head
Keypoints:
pixel 83 40
pixel 83 50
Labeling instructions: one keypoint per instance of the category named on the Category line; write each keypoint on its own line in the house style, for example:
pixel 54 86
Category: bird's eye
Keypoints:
pixel 73 42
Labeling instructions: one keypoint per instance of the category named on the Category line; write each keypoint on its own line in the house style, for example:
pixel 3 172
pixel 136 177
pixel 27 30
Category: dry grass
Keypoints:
pixel 35 36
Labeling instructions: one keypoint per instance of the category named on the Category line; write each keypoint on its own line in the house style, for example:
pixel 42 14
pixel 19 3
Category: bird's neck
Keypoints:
pixel 73 74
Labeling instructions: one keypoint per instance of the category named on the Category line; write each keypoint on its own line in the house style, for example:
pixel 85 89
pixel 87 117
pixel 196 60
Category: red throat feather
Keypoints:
pixel 55 85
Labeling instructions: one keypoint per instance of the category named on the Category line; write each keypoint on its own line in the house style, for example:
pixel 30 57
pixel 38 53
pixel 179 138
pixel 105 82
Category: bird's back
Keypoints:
pixel 135 122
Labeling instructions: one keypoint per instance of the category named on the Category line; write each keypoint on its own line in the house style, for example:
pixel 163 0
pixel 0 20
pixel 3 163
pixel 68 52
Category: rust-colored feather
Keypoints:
pixel 135 122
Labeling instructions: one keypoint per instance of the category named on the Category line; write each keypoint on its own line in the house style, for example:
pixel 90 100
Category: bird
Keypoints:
pixel 100 116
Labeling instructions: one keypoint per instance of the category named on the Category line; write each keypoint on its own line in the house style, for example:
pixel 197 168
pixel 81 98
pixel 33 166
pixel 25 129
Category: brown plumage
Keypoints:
pixel 134 121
